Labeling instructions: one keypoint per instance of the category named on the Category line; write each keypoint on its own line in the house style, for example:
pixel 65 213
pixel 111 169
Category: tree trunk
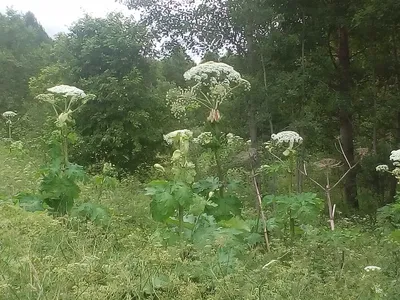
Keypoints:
pixel 346 117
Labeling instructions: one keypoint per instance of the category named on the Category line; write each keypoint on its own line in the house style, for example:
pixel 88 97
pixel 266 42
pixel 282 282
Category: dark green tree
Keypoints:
pixel 23 51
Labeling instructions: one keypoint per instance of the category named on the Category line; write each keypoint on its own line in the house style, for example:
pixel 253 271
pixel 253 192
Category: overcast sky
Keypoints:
pixel 56 16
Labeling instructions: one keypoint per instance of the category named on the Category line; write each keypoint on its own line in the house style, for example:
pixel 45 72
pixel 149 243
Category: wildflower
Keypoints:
pixel 180 100
pixel 233 139
pixel 108 168
pixel 204 139
pixel 396 172
pixel 67 90
pixel 382 168
pixel 215 73
pixel 177 135
pixel 395 155
pixel 372 268
pixel 289 137
pixel 9 114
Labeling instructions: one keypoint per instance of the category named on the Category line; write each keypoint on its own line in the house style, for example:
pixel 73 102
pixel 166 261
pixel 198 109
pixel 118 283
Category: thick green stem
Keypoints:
pixel 64 134
pixel 218 159
pixel 9 131
pixel 220 172
pixel 291 172
pixel 291 226
pixel 180 216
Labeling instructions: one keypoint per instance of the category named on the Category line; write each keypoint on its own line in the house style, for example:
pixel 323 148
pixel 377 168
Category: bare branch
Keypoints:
pixel 344 154
pixel 343 176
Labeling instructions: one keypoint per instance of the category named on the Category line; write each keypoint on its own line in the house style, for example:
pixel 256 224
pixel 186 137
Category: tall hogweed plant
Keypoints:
pixel 59 187
pixel 211 84
pixel 182 198
pixel 9 117
pixel 292 209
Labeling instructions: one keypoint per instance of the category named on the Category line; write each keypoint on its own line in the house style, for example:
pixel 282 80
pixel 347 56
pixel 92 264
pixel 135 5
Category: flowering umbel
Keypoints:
pixel 287 137
pixel 213 83
pixel 65 99
pixel 382 168
pixel 9 114
pixel 67 90
pixel 395 158
pixel 204 139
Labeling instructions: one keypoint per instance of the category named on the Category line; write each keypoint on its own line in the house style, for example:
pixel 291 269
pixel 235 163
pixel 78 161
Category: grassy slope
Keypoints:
pixel 44 258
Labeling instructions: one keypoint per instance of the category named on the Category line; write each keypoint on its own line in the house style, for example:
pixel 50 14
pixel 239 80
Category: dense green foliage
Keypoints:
pixel 267 171
pixel 23 50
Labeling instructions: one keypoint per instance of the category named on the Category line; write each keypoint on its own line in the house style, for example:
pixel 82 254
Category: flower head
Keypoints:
pixel 204 139
pixel 395 156
pixel 233 139
pixel 177 135
pixel 214 73
pixel 396 172
pixel 9 114
pixel 372 268
pixel 67 90
pixel 108 168
pixel 382 168
pixel 287 137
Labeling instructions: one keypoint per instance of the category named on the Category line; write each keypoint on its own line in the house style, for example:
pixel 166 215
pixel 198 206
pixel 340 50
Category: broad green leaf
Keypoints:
pixel 156 186
pixel 93 212
pixel 227 208
pixel 207 185
pixel 235 223
pixel 182 193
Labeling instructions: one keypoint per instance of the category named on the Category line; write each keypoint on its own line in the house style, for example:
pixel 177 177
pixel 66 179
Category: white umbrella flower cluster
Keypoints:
pixel 67 90
pixel 204 139
pixel 382 168
pixel 65 99
pixel 9 114
pixel 215 73
pixel 287 137
pixel 395 158
pixel 213 83
pixel 178 135
pixel 234 140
